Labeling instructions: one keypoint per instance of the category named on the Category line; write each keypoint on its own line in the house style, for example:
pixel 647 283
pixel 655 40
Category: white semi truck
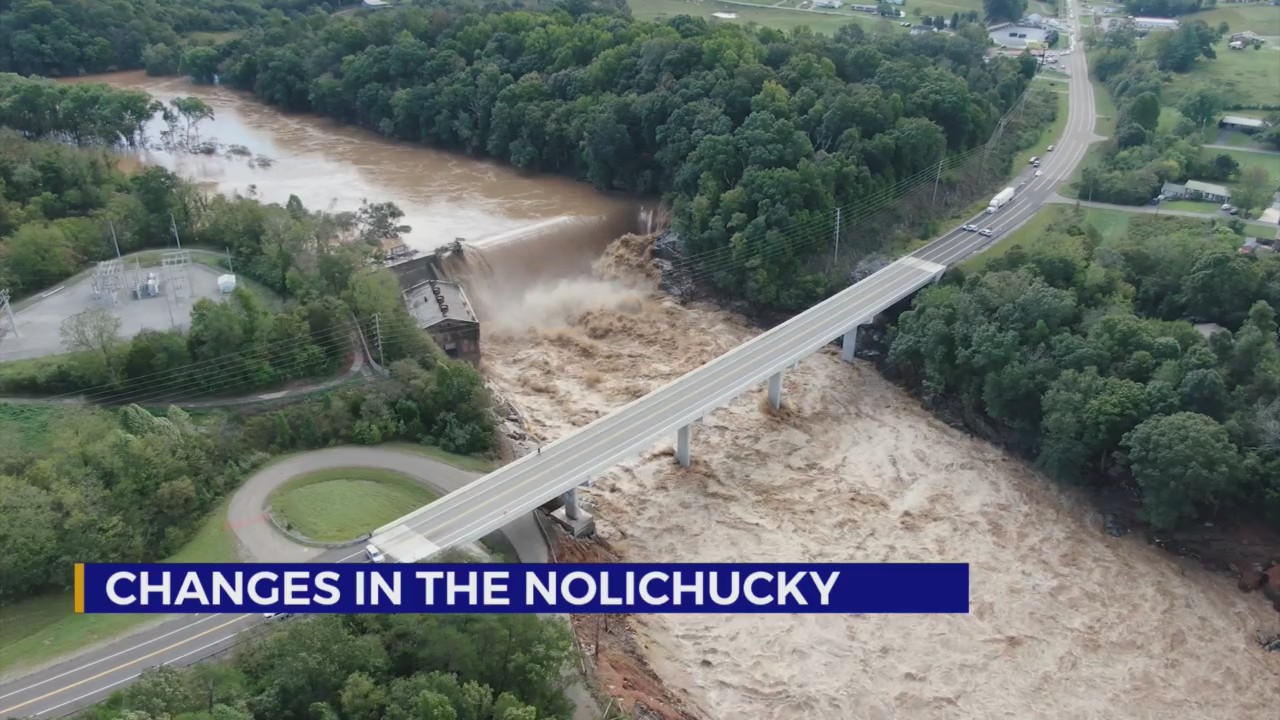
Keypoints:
pixel 1000 200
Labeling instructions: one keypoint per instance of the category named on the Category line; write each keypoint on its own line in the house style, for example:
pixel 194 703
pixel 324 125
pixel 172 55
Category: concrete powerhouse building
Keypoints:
pixel 441 308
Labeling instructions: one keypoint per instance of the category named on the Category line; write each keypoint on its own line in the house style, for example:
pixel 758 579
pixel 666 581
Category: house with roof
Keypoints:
pixel 1149 23
pixel 1196 190
pixel 1241 123
pixel 1248 37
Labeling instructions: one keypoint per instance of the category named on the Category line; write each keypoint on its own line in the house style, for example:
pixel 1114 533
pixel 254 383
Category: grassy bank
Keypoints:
pixel 1051 134
pixel 462 462
pixel 1245 77
pixel 340 504
pixel 1110 223
pixel 39 629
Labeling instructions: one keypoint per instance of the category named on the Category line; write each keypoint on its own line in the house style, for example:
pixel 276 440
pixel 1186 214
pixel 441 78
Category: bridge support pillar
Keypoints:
pixel 775 390
pixel 849 345
pixel 682 445
pixel 573 517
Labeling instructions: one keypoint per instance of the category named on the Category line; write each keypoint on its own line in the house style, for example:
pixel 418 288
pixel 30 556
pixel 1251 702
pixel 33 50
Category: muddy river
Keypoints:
pixel 329 166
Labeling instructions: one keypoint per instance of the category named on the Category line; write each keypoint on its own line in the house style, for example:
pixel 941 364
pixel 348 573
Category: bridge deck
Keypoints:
pixel 488 503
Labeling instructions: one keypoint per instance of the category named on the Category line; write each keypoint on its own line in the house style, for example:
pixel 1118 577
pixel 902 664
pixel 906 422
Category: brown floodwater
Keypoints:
pixel 329 166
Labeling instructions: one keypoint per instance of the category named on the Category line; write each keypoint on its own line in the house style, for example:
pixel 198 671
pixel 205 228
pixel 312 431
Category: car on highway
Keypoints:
pixel 970 228
pixel 1049 149
pixel 277 616
pixel 1039 173
pixel 373 554
pixel 986 232
pixel 1034 159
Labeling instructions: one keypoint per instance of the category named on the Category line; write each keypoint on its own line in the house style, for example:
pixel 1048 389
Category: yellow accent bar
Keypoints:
pixel 80 588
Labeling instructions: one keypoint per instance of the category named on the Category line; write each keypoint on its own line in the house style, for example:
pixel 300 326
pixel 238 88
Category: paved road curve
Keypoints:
pixel 489 503
pixel 90 677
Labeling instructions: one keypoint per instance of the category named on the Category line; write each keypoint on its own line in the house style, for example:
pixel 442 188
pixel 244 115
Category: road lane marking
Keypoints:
pixel 80 668
pixel 954 244
pixel 219 641
pixel 121 666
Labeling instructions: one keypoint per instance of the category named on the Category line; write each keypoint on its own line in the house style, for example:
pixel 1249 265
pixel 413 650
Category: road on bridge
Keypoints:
pixel 489 503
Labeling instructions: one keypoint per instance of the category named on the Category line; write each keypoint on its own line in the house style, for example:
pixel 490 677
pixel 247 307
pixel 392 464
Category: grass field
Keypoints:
pixel 1110 223
pixel 1262 19
pixel 1105 108
pixel 783 19
pixel 25 428
pixel 1248 77
pixel 42 628
pixel 1247 159
pixel 340 504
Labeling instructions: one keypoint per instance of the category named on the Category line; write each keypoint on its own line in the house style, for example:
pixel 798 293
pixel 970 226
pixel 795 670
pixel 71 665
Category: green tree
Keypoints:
pixel 96 334
pixel 1145 111
pixel 1254 189
pixel 997 10
pixel 1185 463
pixel 200 64
pixel 1201 106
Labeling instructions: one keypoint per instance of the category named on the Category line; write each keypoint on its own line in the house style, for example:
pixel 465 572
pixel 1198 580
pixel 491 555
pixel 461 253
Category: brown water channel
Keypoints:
pixel 331 166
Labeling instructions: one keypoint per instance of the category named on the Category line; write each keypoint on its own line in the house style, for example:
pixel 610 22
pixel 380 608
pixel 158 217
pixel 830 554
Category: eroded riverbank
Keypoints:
pixel 1064 616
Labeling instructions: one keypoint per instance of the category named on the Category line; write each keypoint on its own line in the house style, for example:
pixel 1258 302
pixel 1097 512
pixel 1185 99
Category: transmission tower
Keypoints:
pixel 108 277
pixel 8 312
pixel 175 264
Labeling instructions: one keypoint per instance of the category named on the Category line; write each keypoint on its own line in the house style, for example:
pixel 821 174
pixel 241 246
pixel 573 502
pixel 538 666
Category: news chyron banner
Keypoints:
pixel 501 588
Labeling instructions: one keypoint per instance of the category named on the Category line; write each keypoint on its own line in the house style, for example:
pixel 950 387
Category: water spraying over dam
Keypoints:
pixel 511 274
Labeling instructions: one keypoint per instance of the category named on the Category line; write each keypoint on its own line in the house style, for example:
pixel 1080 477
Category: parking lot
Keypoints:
pixel 1004 36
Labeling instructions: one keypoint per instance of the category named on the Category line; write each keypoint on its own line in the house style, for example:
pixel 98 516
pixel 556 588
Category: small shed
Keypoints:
pixel 1239 122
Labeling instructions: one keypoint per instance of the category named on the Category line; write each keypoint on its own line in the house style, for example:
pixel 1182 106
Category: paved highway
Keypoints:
pixel 491 502
pixel 484 505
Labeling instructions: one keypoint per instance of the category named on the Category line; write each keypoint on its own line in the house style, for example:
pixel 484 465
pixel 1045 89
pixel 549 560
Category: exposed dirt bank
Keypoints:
pixel 853 469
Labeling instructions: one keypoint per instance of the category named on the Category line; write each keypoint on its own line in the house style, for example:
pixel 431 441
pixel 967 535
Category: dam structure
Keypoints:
pixel 559 468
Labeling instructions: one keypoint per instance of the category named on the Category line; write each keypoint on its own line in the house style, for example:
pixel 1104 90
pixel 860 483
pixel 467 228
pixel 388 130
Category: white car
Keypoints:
pixel 986 232
pixel 1039 173
pixel 970 228
pixel 1226 207
pixel 1049 149
pixel 373 554
pixel 276 616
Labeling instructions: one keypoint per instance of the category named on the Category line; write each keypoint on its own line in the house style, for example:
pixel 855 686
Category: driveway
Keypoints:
pixel 247 515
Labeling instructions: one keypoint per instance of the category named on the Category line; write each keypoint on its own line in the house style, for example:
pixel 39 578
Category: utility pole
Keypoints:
pixel 114 240
pixel 377 337
pixel 173 224
pixel 230 266
pixel 8 310
pixel 836 258
pixel 172 323
pixel 936 180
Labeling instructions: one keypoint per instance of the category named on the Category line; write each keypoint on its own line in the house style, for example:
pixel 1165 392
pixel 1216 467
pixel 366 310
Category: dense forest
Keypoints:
pixel 82 37
pixel 129 485
pixel 63 207
pixel 368 667
pixel 752 133
pixel 1142 155
pixel 1082 351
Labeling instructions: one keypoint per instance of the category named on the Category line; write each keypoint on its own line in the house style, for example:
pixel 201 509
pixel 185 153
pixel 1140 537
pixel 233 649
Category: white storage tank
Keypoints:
pixel 226 283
